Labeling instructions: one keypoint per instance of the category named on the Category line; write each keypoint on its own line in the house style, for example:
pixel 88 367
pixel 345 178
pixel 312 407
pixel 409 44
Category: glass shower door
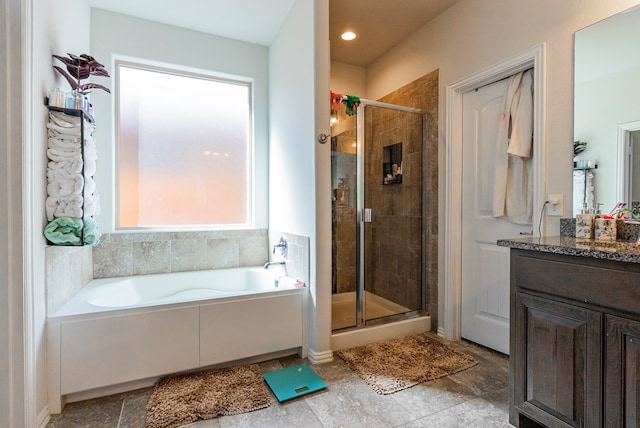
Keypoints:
pixel 391 255
pixel 344 233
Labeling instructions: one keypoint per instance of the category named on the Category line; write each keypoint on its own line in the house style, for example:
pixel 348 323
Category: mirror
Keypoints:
pixel 607 112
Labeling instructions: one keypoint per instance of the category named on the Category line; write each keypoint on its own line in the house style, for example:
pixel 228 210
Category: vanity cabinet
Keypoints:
pixel 622 376
pixel 574 341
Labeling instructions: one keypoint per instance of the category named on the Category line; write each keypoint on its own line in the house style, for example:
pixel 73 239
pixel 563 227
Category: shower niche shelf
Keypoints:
pixel 392 164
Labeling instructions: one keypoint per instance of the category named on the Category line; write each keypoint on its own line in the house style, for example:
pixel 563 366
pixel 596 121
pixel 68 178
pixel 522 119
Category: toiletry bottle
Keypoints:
pixel 585 223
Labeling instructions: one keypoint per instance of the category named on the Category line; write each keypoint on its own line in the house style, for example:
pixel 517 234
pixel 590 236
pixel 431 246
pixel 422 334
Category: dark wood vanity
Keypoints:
pixel 575 333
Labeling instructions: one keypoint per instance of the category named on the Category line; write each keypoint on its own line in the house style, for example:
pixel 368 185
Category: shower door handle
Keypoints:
pixel 366 215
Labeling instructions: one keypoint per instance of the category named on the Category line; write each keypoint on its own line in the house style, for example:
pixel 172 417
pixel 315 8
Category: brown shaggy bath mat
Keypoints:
pixel 183 399
pixel 393 365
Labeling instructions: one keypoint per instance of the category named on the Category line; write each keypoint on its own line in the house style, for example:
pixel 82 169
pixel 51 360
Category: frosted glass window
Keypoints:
pixel 184 149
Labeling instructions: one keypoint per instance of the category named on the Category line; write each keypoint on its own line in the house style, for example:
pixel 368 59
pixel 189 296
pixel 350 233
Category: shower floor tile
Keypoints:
pixel 474 397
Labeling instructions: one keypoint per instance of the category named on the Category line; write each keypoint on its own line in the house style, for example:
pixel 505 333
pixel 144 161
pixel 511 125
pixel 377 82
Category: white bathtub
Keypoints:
pixel 145 290
pixel 158 289
pixel 118 332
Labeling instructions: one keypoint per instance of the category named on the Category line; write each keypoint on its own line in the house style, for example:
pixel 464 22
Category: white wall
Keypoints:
pixel 475 34
pixel 292 181
pixel 52 34
pixel 147 40
pixel 347 79
pixel 11 224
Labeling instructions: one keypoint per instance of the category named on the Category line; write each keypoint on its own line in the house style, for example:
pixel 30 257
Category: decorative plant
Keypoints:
pixel 79 68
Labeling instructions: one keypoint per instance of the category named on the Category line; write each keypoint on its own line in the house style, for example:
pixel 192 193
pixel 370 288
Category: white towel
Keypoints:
pixel 64 206
pixel 68 145
pixel 58 155
pixel 89 186
pixel 64 120
pixel 91 205
pixel 90 143
pixel 583 190
pixel 89 167
pixel 90 155
pixel 64 130
pixel 64 183
pixel 72 164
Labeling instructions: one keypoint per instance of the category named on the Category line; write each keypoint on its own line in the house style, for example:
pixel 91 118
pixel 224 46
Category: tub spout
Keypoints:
pixel 267 265
pixel 282 263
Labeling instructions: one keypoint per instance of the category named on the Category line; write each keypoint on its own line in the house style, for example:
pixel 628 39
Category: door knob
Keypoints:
pixel 323 138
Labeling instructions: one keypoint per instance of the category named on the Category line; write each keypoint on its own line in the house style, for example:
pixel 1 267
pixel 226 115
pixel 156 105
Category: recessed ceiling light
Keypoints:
pixel 349 35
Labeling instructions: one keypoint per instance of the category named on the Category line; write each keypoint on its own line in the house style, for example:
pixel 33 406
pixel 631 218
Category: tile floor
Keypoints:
pixel 476 397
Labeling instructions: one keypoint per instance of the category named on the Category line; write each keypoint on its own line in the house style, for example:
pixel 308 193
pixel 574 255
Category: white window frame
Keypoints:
pixel 193 73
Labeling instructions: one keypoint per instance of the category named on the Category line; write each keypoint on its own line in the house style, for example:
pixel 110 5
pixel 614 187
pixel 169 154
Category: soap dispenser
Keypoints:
pixel 585 223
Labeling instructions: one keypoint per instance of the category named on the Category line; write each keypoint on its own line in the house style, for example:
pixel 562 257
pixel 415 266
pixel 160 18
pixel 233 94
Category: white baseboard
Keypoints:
pixel 43 417
pixel 320 357
pixel 441 332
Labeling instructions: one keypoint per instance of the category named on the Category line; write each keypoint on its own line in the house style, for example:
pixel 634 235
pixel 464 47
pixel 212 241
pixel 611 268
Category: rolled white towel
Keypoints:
pixel 72 164
pixel 89 186
pixel 89 167
pixel 63 183
pixel 71 138
pixel 63 119
pixel 58 155
pixel 91 205
pixel 68 145
pixel 75 130
pixel 90 155
pixel 64 206
pixel 90 143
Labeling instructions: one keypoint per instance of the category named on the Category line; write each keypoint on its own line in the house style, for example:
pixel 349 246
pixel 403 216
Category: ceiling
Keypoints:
pixel 380 24
pixel 253 21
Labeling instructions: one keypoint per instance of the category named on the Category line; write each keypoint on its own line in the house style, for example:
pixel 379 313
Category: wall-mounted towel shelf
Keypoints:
pixel 71 201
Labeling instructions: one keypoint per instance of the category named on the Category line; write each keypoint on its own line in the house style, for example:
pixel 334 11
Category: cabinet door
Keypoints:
pixel 557 363
pixel 622 372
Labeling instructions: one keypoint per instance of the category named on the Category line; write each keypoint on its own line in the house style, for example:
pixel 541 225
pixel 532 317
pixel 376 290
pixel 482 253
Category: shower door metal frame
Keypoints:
pixel 361 217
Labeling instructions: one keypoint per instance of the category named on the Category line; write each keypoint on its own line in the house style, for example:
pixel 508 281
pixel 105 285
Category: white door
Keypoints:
pixel 485 266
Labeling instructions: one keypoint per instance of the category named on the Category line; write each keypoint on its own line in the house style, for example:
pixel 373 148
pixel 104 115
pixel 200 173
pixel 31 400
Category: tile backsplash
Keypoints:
pixel 141 253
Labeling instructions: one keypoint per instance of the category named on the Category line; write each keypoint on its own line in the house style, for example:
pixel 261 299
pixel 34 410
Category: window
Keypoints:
pixel 184 149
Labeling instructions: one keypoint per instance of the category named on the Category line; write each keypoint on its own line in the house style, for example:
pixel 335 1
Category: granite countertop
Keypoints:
pixel 621 251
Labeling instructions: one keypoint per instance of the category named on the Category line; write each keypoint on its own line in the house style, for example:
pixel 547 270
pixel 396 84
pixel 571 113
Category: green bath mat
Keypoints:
pixel 293 382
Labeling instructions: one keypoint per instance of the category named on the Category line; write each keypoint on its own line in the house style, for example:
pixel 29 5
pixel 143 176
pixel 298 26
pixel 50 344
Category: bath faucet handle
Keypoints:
pixel 282 244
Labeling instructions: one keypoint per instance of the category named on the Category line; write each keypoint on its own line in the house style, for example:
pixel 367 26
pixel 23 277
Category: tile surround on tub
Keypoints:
pixel 68 270
pixel 298 254
pixel 140 253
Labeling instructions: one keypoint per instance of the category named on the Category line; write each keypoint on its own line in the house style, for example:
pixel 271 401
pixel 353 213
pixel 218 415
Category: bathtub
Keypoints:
pixel 123 333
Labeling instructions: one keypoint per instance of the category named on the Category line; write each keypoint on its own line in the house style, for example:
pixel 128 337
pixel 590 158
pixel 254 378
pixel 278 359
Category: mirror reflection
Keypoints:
pixel 607 113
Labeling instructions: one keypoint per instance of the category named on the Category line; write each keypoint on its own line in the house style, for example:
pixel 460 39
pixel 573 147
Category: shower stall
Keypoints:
pixel 378 227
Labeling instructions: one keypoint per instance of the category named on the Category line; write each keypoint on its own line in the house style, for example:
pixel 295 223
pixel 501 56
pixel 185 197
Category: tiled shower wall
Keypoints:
pixel 68 269
pixel 396 239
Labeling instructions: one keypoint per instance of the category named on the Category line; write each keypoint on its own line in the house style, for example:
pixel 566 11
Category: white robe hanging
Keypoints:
pixel 513 186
